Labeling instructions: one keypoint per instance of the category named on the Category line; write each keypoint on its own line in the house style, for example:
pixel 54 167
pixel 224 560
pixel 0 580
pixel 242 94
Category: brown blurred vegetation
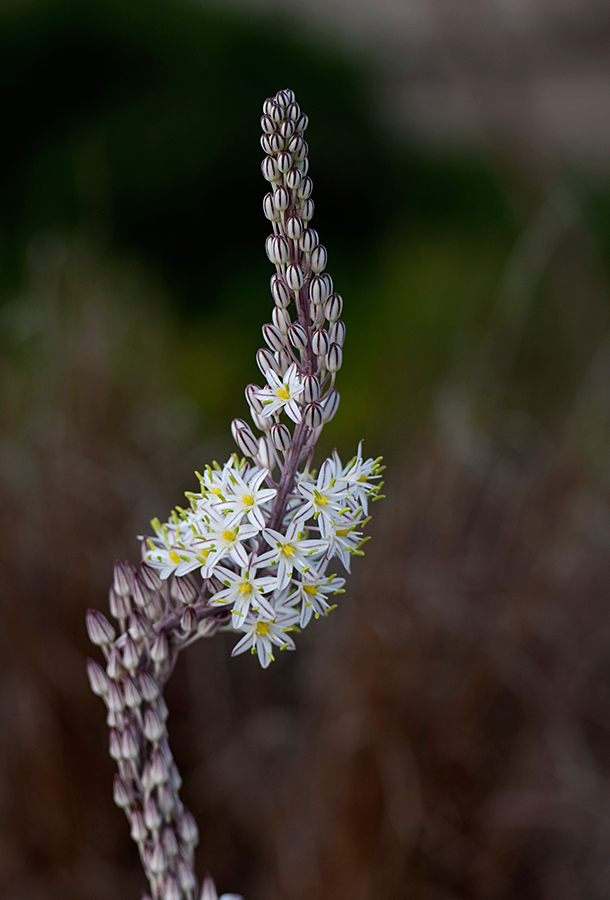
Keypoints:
pixel 445 733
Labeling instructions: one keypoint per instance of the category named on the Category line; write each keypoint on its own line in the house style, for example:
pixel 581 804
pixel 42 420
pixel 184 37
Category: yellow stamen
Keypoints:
pixel 310 589
pixel 288 550
pixel 283 393
pixel 262 629
pixel 245 588
pixel 174 556
pixel 248 499
pixel 229 535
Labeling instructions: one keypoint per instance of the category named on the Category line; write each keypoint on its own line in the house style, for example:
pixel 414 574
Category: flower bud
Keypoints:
pixel 284 98
pixel 279 291
pixel 269 209
pixel 328 282
pixel 187 828
pixel 304 166
pixel 254 401
pixel 311 388
pixel 129 745
pixel 281 198
pixel 114 666
pixel 148 687
pixel 114 697
pixel 287 129
pixel 302 123
pixel 97 678
pixel 185 876
pixel 245 440
pixel 138 827
pixel 170 843
pixel 305 190
pixel 320 342
pixel 276 142
pixel 280 437
pixel 318 259
pixel 141 594
pixel 171 891
pixel 150 578
pixel 119 606
pixel 268 106
pixel 131 656
pixel 283 360
pixel 138 625
pixel 158 768
pixel 293 227
pixel 331 405
pixel 333 308
pixel 266 143
pixel 336 333
pixel 183 589
pixel 306 210
pixel 208 889
pixel 262 423
pixel 317 290
pixel 165 801
pixel 297 148
pixel 265 455
pixel 284 162
pixel 157 862
pixel 294 277
pixel 298 336
pixel 292 111
pixel 294 178
pixel 153 726
pixel 267 124
pixel 115 744
pixel 188 622
pixel 159 650
pixel 281 319
pixel 122 578
pixel 314 415
pixel 99 628
pixel 309 240
pixel 273 338
pixel 133 698
pixel 334 358
pixel 123 794
pixel 269 169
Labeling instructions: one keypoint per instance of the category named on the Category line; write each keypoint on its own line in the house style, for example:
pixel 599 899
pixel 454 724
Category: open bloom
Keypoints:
pixel 247 496
pixel 261 634
pixel 281 394
pixel 225 538
pixel 289 551
pixel 312 592
pixel 325 499
pixel 245 591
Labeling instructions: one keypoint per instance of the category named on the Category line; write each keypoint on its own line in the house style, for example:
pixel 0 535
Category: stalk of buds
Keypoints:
pixel 261 532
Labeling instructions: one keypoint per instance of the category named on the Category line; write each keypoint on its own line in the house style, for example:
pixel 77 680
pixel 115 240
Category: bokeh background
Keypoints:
pixel 445 734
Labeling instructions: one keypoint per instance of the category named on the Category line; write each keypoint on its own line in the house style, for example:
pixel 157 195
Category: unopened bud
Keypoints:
pixel 264 452
pixel 185 876
pixel 302 123
pixel 171 891
pixel 159 650
pixel 148 687
pixel 269 209
pixel 266 143
pixel 318 289
pixel 294 277
pixel 133 698
pixel 123 795
pixel 334 358
pixel 266 360
pixel 320 342
pixel 152 816
pixel 293 111
pixel 150 578
pixel 114 697
pixel 293 227
pixel 267 124
pixel 262 423
pixel 187 828
pixel 305 189
pixel 119 606
pixel 183 589
pixel 131 655
pixel 153 726
pixel 245 440
pixel 279 291
pixel 165 801
pixel 336 333
pixel 311 388
pixel 269 169
pixel 141 594
pixel 306 210
pixel 318 259
pixel 122 578
pixel 284 98
pixel 284 161
pixel 129 745
pixel 114 666
pixel 309 240
pixel 97 678
pixel 276 142
pixel 294 179
pixel 189 622
pixel 273 337
pixel 170 842
pixel 287 129
pixel 138 625
pixel 138 827
pixel 208 890
pixel 116 748
pixel 254 401
pixel 99 628
pixel 313 415
pixel 158 770
pixel 298 336
pixel 331 405
pixel 281 319
pixel 156 861
pixel 280 437
pixel 297 148
pixel 333 308
pixel 283 360
pixel 281 197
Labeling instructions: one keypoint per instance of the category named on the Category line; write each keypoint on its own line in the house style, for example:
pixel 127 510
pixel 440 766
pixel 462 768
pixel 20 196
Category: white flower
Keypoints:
pixel 343 540
pixel 325 498
pixel 225 538
pixel 281 394
pixel 357 476
pixel 245 495
pixel 290 551
pixel 245 591
pixel 312 592
pixel 260 634
pixel 171 551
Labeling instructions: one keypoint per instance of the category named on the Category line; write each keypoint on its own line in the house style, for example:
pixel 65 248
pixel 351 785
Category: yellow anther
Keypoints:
pixel 288 550
pixel 229 535
pixel 310 589
pixel 245 588
pixel 248 499
pixel 174 556
pixel 262 629
pixel 283 393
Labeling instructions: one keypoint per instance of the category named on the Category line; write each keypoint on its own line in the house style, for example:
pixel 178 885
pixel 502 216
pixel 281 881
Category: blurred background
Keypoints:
pixel 445 733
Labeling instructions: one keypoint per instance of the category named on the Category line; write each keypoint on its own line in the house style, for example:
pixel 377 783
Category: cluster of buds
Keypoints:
pixel 253 551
